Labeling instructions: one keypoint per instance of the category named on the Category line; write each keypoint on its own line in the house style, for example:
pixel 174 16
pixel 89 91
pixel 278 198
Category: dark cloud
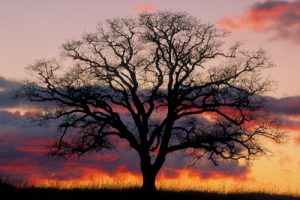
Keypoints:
pixel 23 146
pixel 24 143
pixel 285 106
pixel 268 5
pixel 23 149
pixel 7 93
pixel 6 84
pixel 286 110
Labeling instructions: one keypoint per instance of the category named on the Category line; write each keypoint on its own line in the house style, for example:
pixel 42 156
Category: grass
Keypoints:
pixel 30 192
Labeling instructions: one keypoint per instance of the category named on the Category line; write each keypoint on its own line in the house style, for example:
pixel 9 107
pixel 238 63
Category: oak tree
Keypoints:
pixel 162 81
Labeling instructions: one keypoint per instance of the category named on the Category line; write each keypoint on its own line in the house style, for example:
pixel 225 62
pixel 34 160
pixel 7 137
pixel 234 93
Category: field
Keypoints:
pixel 28 192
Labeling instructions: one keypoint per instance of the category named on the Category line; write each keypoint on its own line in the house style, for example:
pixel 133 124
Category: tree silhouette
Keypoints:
pixel 161 81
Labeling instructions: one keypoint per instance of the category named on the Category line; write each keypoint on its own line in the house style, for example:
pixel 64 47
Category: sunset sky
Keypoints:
pixel 35 29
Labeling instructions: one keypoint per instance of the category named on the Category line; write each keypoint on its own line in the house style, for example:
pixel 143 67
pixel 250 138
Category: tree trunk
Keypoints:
pixel 149 181
pixel 148 172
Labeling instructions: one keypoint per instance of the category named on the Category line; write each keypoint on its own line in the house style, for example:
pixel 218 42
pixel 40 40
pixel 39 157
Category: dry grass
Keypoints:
pixel 121 183
pixel 120 189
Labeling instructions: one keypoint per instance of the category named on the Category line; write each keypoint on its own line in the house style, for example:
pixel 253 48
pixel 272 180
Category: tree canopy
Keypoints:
pixel 162 81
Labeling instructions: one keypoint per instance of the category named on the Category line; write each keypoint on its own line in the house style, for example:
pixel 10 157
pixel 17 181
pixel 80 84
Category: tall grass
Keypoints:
pixel 121 183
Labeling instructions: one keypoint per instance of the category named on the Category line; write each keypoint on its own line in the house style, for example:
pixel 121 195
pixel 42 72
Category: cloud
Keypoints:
pixel 285 106
pixel 204 168
pixel 280 17
pixel 297 140
pixel 7 88
pixel 23 148
pixel 147 7
pixel 25 157
pixel 287 110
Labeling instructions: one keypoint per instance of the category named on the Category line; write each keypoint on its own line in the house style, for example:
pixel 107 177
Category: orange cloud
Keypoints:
pixel 148 7
pixel 171 173
pixel 280 17
pixel 254 18
pixel 297 140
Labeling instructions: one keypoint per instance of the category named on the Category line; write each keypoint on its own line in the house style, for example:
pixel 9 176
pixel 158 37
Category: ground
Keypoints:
pixel 7 190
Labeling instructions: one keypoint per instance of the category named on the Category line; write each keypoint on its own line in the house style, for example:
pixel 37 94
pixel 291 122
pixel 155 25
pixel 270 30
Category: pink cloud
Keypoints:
pixel 280 17
pixel 147 7
pixel 34 146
